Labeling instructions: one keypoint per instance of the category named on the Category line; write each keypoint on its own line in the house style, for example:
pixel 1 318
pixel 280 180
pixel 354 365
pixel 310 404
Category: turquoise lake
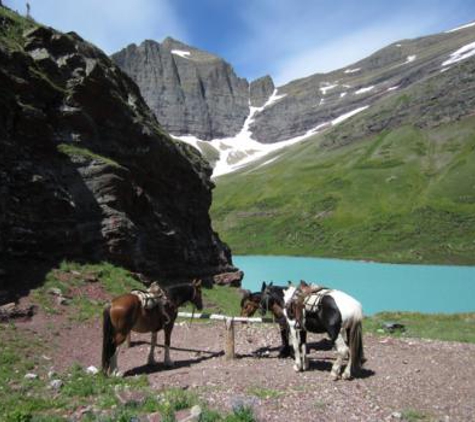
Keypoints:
pixel 379 287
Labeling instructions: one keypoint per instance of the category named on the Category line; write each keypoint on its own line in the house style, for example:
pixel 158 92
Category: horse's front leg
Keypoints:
pixel 295 339
pixel 151 354
pixel 284 334
pixel 168 334
pixel 303 346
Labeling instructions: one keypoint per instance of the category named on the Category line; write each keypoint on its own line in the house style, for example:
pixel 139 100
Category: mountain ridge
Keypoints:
pixel 311 104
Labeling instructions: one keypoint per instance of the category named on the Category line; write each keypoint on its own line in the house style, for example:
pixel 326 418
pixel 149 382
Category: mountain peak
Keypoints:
pixel 179 48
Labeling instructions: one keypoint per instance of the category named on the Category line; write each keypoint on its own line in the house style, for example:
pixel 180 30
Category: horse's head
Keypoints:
pixel 197 298
pixel 270 295
pixel 250 303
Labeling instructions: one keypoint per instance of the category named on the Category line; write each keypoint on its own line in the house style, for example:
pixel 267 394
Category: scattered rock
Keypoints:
pixel 64 301
pixel 13 311
pixel 130 398
pixel 55 291
pixel 154 417
pixel 56 384
pixel 189 415
pixel 88 410
pixel 91 278
pixel 229 279
pixel 92 370
pixel 391 327
pixel 31 376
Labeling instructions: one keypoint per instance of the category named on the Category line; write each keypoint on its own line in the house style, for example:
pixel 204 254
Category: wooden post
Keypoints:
pixel 229 351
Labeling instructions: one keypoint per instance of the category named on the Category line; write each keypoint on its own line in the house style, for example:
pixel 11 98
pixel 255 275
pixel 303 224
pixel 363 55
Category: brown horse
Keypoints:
pixel 274 302
pixel 126 314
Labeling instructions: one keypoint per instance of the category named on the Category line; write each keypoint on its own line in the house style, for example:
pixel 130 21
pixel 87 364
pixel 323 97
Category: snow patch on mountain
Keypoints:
pixel 410 59
pixel 345 116
pixel 327 87
pixel 363 90
pixel 357 69
pixel 468 25
pixel 461 54
pixel 241 150
pixel 181 53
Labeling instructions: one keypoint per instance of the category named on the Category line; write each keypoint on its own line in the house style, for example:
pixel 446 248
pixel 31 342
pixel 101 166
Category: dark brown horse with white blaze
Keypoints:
pixel 126 314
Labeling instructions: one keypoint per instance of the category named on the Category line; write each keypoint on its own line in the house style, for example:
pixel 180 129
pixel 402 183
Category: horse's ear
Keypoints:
pixel 289 283
pixel 263 286
pixel 303 283
pixel 271 283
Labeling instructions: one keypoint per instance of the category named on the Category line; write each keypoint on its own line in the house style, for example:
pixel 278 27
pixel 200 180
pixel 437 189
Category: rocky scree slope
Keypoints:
pixel 87 173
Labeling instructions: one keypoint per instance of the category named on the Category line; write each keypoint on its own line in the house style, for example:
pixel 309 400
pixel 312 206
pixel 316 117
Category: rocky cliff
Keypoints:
pixel 86 171
pixel 190 91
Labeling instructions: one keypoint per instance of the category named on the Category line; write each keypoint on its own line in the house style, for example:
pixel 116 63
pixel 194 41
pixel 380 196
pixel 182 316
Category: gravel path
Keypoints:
pixel 403 378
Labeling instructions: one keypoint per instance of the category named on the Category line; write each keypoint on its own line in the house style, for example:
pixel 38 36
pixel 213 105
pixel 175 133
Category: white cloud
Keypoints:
pixel 298 39
pixel 340 52
pixel 109 24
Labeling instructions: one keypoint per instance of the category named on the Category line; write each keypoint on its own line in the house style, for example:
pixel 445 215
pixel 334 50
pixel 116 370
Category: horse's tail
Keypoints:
pixel 356 346
pixel 108 344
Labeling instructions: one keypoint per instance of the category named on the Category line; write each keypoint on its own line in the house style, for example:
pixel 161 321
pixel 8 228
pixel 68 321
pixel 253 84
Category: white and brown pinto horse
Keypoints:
pixel 317 309
pixel 127 313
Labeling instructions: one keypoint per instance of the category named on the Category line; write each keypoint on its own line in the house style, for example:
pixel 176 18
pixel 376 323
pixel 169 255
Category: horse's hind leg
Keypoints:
pixel 342 353
pixel 347 373
pixel 151 354
pixel 168 333
pixel 114 367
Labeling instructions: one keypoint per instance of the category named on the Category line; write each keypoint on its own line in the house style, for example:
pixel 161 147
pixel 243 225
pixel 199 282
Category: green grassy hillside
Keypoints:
pixel 404 195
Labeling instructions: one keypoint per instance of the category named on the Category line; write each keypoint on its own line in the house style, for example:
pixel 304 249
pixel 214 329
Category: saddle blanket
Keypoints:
pixel 312 302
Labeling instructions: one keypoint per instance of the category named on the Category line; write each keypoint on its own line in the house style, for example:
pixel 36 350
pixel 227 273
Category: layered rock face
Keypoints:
pixel 190 91
pixel 260 90
pixel 87 173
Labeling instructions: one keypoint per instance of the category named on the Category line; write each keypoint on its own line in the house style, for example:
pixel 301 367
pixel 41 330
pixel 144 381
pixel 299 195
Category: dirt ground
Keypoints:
pixel 403 379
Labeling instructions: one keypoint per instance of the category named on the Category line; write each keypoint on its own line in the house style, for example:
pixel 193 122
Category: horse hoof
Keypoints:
pixel 334 376
pixel 297 368
pixel 118 374
pixel 346 376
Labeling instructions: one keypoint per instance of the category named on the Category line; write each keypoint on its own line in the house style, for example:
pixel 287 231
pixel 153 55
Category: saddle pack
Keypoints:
pixel 151 297
pixel 313 300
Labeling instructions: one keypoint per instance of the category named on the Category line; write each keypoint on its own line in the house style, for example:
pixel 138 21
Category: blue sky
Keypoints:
pixel 284 38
